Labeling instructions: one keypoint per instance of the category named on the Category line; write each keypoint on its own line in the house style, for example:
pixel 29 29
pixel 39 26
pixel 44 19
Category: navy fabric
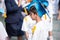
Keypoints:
pixel 14 18
pixel 13 12
pixel 14 29
pixel 59 4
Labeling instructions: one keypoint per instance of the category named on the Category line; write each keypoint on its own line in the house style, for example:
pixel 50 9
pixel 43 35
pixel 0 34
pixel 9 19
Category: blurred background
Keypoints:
pixel 56 22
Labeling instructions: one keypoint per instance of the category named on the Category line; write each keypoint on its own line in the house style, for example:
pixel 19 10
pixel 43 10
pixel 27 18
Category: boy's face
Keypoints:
pixel 33 16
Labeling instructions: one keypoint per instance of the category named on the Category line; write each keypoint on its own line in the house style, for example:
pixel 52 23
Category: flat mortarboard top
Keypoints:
pixel 39 7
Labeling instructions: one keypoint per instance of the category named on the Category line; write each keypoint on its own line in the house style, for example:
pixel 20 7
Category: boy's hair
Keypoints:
pixel 33 10
pixel 28 12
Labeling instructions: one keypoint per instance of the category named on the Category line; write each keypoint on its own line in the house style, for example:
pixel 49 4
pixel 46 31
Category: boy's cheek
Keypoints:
pixel 33 18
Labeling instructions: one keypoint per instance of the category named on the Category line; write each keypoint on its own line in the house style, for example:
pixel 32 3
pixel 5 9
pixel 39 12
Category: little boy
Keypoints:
pixel 41 30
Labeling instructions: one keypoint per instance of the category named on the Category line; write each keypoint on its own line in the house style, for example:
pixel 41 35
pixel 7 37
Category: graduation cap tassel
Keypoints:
pixel 45 17
pixel 26 11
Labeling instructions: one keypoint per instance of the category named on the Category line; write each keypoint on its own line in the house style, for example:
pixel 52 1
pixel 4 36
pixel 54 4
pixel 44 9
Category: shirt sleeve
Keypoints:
pixel 25 25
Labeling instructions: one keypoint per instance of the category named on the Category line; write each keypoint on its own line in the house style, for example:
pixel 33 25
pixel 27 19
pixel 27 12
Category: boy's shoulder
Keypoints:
pixel 27 18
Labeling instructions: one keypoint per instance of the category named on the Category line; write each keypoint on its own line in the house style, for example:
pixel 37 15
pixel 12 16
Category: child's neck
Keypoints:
pixel 38 19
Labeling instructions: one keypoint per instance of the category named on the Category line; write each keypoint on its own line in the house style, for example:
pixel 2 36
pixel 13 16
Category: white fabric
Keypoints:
pixel 27 25
pixel 49 21
pixel 41 32
pixel 47 18
pixel 16 2
pixel 3 33
pixel 24 3
pixel 53 6
pixel 2 4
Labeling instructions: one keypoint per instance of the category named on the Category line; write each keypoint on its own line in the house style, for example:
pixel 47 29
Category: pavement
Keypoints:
pixel 56 28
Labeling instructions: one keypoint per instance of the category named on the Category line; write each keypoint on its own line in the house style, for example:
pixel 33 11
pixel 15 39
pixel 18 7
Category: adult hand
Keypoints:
pixel 19 3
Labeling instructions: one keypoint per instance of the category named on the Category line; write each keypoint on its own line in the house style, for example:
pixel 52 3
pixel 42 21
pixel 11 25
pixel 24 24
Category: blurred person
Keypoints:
pixel 14 18
pixel 3 33
pixel 2 8
pixel 41 30
pixel 53 7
